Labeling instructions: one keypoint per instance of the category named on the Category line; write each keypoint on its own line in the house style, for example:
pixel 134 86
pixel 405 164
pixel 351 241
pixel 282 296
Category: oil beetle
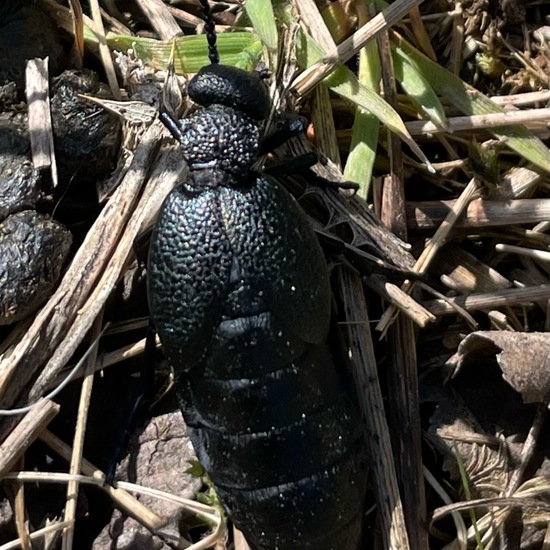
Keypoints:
pixel 239 294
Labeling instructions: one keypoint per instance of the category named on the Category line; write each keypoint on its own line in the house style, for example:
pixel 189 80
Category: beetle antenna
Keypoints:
pixel 210 29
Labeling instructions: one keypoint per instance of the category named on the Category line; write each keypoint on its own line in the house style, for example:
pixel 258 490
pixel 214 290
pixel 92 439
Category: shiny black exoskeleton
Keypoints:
pixel 239 294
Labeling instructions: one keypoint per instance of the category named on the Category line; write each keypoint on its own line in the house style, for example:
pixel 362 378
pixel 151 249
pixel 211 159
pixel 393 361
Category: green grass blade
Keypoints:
pixel 472 102
pixel 241 49
pixel 417 88
pixel 364 136
pixel 343 82
pixel 262 17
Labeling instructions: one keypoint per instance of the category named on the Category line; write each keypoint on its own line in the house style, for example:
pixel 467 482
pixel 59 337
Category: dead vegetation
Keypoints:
pixel 438 110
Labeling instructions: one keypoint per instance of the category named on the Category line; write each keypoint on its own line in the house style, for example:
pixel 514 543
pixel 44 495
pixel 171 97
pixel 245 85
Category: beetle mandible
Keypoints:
pixel 239 294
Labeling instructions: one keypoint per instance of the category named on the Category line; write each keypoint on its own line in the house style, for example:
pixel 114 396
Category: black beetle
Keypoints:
pixel 239 295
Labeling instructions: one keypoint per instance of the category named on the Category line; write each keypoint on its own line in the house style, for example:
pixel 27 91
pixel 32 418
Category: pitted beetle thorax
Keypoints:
pixel 221 138
pixel 233 87
pixel 199 180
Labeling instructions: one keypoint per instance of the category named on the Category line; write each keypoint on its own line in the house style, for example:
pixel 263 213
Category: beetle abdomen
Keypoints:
pixel 283 452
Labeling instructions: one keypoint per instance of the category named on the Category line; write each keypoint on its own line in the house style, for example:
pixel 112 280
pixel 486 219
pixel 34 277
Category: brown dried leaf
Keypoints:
pixel 458 433
pixel 522 357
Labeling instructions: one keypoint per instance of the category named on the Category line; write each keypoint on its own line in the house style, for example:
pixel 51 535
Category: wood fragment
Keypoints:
pixel 104 49
pixel 463 272
pixel 323 123
pixel 78 31
pixel 160 18
pixel 78 442
pixel 316 26
pixel 384 20
pixel 478 122
pixel 114 19
pixel 19 507
pixel 40 120
pixel 185 18
pixel 393 294
pixel 40 536
pixel 122 499
pixel 420 33
pixel 393 193
pixel 435 243
pixel 406 427
pixel 404 409
pixel 365 373
pixel 26 432
pixel 457 40
pixel 490 300
pixel 479 213
pixel 531 442
pixel 470 321
pixel 321 107
pixel 527 98
pixel 542 255
pixel 112 358
pixel 519 182
pixel 364 225
pixel 500 321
